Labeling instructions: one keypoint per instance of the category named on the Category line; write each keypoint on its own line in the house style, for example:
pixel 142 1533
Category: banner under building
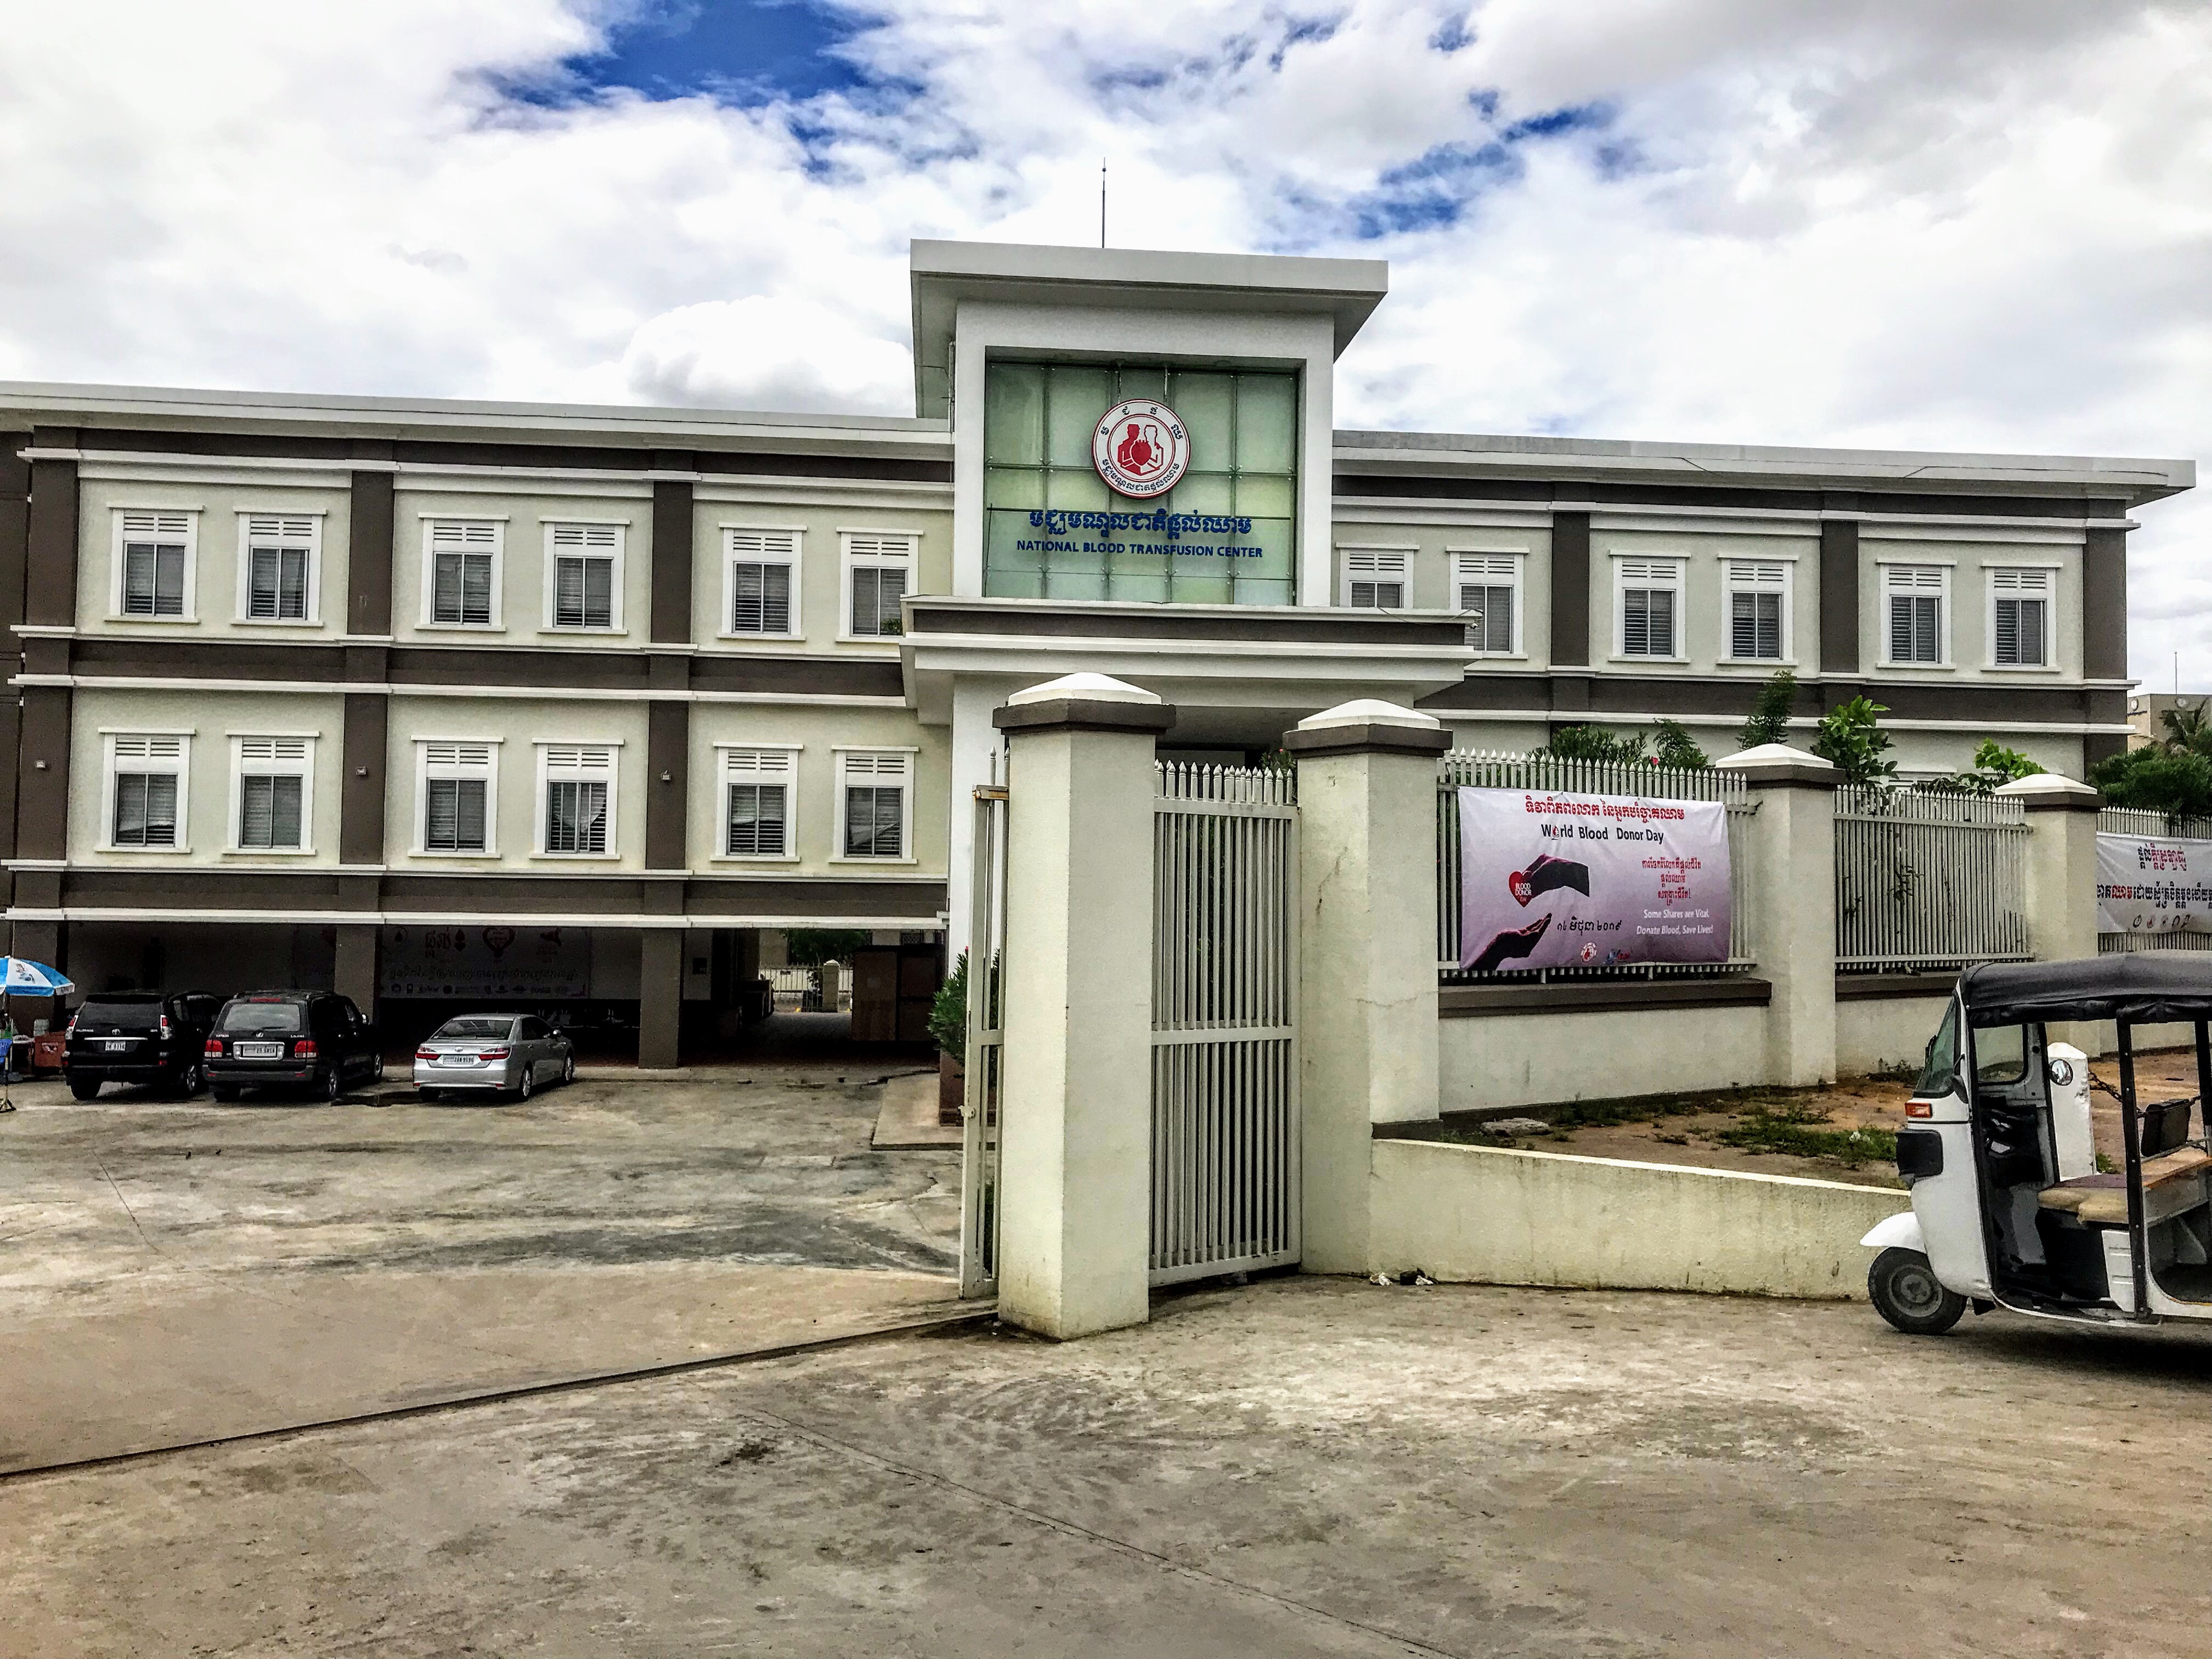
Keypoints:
pixel 1558 880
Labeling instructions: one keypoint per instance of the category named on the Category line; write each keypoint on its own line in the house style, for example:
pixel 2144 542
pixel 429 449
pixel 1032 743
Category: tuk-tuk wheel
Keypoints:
pixel 1907 1293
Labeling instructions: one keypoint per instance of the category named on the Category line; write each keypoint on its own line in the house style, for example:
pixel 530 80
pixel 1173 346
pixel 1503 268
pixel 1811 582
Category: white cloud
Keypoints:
pixel 1955 224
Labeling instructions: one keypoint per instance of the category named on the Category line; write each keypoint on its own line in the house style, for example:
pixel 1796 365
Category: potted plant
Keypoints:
pixel 948 1028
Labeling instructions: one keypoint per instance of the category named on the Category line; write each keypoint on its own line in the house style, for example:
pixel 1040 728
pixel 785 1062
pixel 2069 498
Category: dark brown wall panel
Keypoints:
pixel 672 561
pixel 50 579
pixel 668 783
pixel 1839 596
pixel 361 799
pixel 14 555
pixel 2105 604
pixel 368 557
pixel 43 774
pixel 1571 618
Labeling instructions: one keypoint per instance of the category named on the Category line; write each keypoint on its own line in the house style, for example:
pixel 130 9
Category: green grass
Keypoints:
pixel 1803 1132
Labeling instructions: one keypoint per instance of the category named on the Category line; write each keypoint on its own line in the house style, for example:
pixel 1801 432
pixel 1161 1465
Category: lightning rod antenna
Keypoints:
pixel 1101 201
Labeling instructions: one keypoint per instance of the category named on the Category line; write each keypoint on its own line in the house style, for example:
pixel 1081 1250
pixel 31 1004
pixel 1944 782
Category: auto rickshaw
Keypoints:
pixel 2009 1206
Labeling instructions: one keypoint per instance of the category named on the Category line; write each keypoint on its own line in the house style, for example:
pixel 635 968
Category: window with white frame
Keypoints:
pixel 154 564
pixel 578 795
pixel 583 584
pixel 146 789
pixel 275 791
pixel 760 584
pixel 460 579
pixel 2020 617
pixel 276 563
pixel 878 573
pixel 756 802
pixel 1758 598
pixel 1915 628
pixel 458 795
pixel 1487 591
pixel 874 804
pixel 1375 579
pixel 1649 606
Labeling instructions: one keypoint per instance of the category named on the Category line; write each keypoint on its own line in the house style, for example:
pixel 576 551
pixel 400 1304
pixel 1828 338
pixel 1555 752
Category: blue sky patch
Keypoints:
pixel 738 52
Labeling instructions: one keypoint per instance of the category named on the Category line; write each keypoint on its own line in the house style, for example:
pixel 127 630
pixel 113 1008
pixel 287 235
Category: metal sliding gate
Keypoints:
pixel 1225 1021
pixel 986 968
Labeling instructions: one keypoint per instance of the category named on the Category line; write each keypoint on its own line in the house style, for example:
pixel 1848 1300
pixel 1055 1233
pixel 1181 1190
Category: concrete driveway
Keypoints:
pixel 172 1270
pixel 1304 1466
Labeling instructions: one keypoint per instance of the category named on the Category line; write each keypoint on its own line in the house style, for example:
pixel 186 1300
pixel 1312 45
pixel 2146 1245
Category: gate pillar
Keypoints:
pixel 1792 847
pixel 1367 954
pixel 1074 1177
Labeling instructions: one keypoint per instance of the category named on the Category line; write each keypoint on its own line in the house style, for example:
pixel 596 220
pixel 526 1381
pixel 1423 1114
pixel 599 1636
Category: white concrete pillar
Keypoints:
pixel 2061 864
pixel 1367 954
pixel 1075 1142
pixel 1792 849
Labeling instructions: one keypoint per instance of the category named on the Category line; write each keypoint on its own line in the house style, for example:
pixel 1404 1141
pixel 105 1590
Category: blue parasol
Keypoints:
pixel 21 976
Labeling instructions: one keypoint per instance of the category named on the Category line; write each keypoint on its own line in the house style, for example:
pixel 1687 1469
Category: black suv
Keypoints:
pixel 138 1036
pixel 273 1038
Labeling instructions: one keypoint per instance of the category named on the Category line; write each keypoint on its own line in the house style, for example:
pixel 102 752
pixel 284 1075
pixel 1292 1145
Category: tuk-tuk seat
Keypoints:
pixel 2173 1184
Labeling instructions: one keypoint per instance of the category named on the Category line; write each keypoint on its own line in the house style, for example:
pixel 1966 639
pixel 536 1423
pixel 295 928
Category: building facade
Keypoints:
pixel 312 689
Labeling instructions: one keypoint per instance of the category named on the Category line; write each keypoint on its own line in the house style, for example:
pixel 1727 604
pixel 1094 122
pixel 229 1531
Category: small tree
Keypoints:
pixel 1673 745
pixel 948 1014
pixel 2154 779
pixel 1994 765
pixel 1769 713
pixel 2188 732
pixel 1592 743
pixel 1852 739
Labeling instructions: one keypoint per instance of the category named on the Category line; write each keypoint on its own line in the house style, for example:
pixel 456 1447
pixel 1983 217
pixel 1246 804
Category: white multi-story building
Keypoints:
pixel 313 688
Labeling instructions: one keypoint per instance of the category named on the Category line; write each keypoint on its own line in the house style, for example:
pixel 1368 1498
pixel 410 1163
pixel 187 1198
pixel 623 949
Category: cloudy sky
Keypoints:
pixel 1963 224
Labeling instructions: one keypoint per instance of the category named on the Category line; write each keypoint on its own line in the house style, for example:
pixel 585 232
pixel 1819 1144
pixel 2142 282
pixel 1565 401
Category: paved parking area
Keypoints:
pixel 1303 1467
pixel 172 1269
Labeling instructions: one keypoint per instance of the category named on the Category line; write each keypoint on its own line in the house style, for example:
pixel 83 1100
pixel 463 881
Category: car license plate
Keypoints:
pixel 457 1059
pixel 260 1051
pixel 113 1044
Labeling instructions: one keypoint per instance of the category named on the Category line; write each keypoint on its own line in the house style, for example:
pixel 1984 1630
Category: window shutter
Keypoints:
pixel 579 759
pixel 880 547
pixel 161 524
pixel 762 544
pixel 463 533
pixel 601 538
pixel 272 749
pixel 457 754
pixel 875 766
pixel 758 761
pixel 148 748
pixel 259 528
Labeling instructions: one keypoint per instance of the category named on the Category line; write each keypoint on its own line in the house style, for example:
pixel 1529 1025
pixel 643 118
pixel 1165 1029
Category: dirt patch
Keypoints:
pixel 1843 1131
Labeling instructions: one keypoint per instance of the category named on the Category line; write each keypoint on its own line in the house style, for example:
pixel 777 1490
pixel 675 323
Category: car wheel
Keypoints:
pixel 189 1081
pixel 333 1085
pixel 83 1088
pixel 1906 1292
pixel 529 1083
pixel 377 1076
pixel 569 1068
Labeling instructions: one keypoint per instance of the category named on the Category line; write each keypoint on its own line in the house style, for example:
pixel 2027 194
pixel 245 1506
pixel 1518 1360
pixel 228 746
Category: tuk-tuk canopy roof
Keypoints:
pixel 2140 986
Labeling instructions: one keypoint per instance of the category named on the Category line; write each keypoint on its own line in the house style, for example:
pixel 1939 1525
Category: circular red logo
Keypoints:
pixel 1141 448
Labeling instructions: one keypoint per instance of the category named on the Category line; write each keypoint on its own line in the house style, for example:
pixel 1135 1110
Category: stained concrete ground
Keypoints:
pixel 1301 1467
pixel 175 1270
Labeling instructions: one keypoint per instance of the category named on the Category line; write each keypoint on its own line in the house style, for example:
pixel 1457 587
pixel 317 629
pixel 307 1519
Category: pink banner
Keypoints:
pixel 1553 881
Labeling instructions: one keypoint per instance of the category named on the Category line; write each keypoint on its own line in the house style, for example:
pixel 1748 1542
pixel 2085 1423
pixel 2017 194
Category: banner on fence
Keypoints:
pixel 1557 880
pixel 2153 884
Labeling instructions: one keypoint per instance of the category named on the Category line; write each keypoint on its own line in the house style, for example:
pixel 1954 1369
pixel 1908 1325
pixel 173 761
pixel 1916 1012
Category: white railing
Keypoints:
pixel 2144 821
pixel 1928 880
pixel 1225 1129
pixel 1486 769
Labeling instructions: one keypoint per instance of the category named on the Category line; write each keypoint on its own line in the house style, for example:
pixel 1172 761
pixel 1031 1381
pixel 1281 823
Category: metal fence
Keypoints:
pixel 984 1062
pixel 2175 826
pixel 1926 880
pixel 1486 770
pixel 1225 1129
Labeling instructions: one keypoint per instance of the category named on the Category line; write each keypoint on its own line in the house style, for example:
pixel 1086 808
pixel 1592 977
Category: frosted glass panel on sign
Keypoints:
pixel 1014 486
pixel 1209 492
pixel 1266 424
pixel 1136 380
pixel 1013 414
pixel 1067 487
pixel 1080 397
pixel 1265 497
pixel 1207 403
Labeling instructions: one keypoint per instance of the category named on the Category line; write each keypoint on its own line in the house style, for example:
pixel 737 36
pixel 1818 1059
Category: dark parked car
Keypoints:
pixel 145 1038
pixel 275 1039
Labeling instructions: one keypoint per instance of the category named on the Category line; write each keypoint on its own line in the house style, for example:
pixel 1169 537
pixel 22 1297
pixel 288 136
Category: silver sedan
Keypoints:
pixel 497 1054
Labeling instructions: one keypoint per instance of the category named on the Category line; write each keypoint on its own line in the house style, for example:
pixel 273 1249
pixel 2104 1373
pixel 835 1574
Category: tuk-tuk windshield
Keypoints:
pixel 1940 1074
pixel 2000 1053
